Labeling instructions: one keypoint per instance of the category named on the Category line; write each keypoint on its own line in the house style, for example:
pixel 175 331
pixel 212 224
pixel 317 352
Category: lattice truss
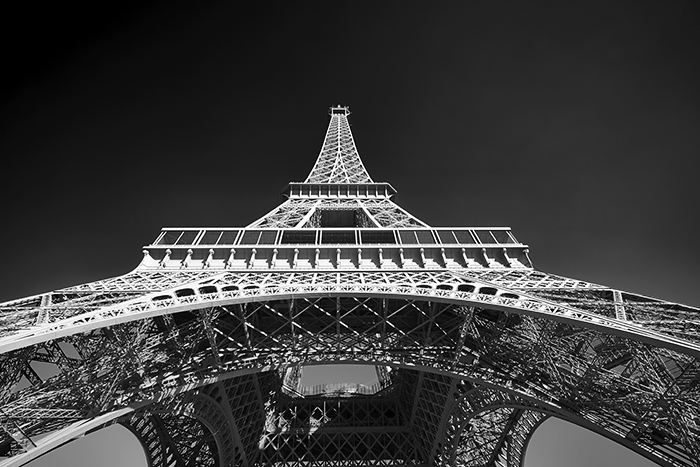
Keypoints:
pixel 305 213
pixel 479 360
pixel 338 161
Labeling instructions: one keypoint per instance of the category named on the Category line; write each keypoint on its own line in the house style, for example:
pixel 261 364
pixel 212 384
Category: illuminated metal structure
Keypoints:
pixel 199 350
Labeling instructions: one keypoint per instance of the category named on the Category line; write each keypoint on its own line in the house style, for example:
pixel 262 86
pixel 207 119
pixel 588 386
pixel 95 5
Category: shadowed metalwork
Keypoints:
pixel 200 349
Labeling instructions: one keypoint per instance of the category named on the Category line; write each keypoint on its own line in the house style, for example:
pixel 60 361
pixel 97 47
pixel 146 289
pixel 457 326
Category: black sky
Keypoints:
pixel 575 123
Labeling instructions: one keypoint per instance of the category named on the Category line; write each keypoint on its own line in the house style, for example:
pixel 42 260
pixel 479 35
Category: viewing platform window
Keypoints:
pixel 379 237
pixel 210 237
pixel 227 238
pixel 338 237
pixel 291 237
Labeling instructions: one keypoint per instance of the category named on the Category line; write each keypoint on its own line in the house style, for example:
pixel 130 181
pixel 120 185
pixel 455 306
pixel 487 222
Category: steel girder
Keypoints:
pixel 530 292
pixel 303 213
pixel 469 353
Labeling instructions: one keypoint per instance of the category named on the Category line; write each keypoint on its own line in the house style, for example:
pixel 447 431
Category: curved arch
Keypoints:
pixel 211 415
pixel 548 362
pixel 200 406
pixel 534 423
pixel 112 446
pixel 144 433
pixel 159 433
pixel 66 435
pixel 557 440
pixel 515 434
pixel 155 304
pixel 522 420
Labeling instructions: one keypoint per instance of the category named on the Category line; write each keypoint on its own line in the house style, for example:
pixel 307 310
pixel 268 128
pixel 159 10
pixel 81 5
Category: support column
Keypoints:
pixel 192 430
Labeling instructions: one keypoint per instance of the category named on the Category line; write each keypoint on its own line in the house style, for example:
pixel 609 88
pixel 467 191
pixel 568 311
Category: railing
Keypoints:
pixel 340 389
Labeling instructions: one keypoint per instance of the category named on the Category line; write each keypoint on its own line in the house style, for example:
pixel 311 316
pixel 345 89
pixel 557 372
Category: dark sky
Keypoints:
pixel 575 123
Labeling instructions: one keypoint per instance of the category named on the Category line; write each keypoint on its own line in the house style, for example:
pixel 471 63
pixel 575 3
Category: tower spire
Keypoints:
pixel 338 161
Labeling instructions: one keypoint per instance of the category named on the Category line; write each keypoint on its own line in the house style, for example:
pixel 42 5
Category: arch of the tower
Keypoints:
pixel 190 430
pixel 473 373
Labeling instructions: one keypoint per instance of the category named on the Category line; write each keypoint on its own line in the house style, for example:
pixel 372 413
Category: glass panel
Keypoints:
pixel 485 236
pixel 335 237
pixel 250 237
pixel 424 237
pixel 502 236
pixel 446 236
pixel 187 237
pixel 170 237
pixel 294 237
pixel 228 237
pixel 407 237
pixel 464 237
pixel 371 236
pixel 210 237
pixel 267 237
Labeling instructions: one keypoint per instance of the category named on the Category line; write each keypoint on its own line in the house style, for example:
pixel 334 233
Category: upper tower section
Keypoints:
pixel 338 170
pixel 337 219
pixel 339 161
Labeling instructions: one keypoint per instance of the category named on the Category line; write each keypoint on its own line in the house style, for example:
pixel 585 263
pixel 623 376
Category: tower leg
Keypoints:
pixel 192 431
pixel 217 425
pixel 496 437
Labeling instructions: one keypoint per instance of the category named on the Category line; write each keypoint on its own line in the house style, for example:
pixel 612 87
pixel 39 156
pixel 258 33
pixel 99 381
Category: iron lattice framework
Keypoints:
pixel 199 350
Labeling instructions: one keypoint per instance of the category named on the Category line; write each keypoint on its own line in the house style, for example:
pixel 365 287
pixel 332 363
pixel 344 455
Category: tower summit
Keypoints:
pixel 200 350
pixel 339 161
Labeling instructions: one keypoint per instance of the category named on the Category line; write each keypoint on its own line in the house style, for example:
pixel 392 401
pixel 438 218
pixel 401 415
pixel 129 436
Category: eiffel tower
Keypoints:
pixel 200 350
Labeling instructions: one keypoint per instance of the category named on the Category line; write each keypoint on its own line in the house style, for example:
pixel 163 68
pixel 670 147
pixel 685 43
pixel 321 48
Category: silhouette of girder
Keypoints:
pixel 199 353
